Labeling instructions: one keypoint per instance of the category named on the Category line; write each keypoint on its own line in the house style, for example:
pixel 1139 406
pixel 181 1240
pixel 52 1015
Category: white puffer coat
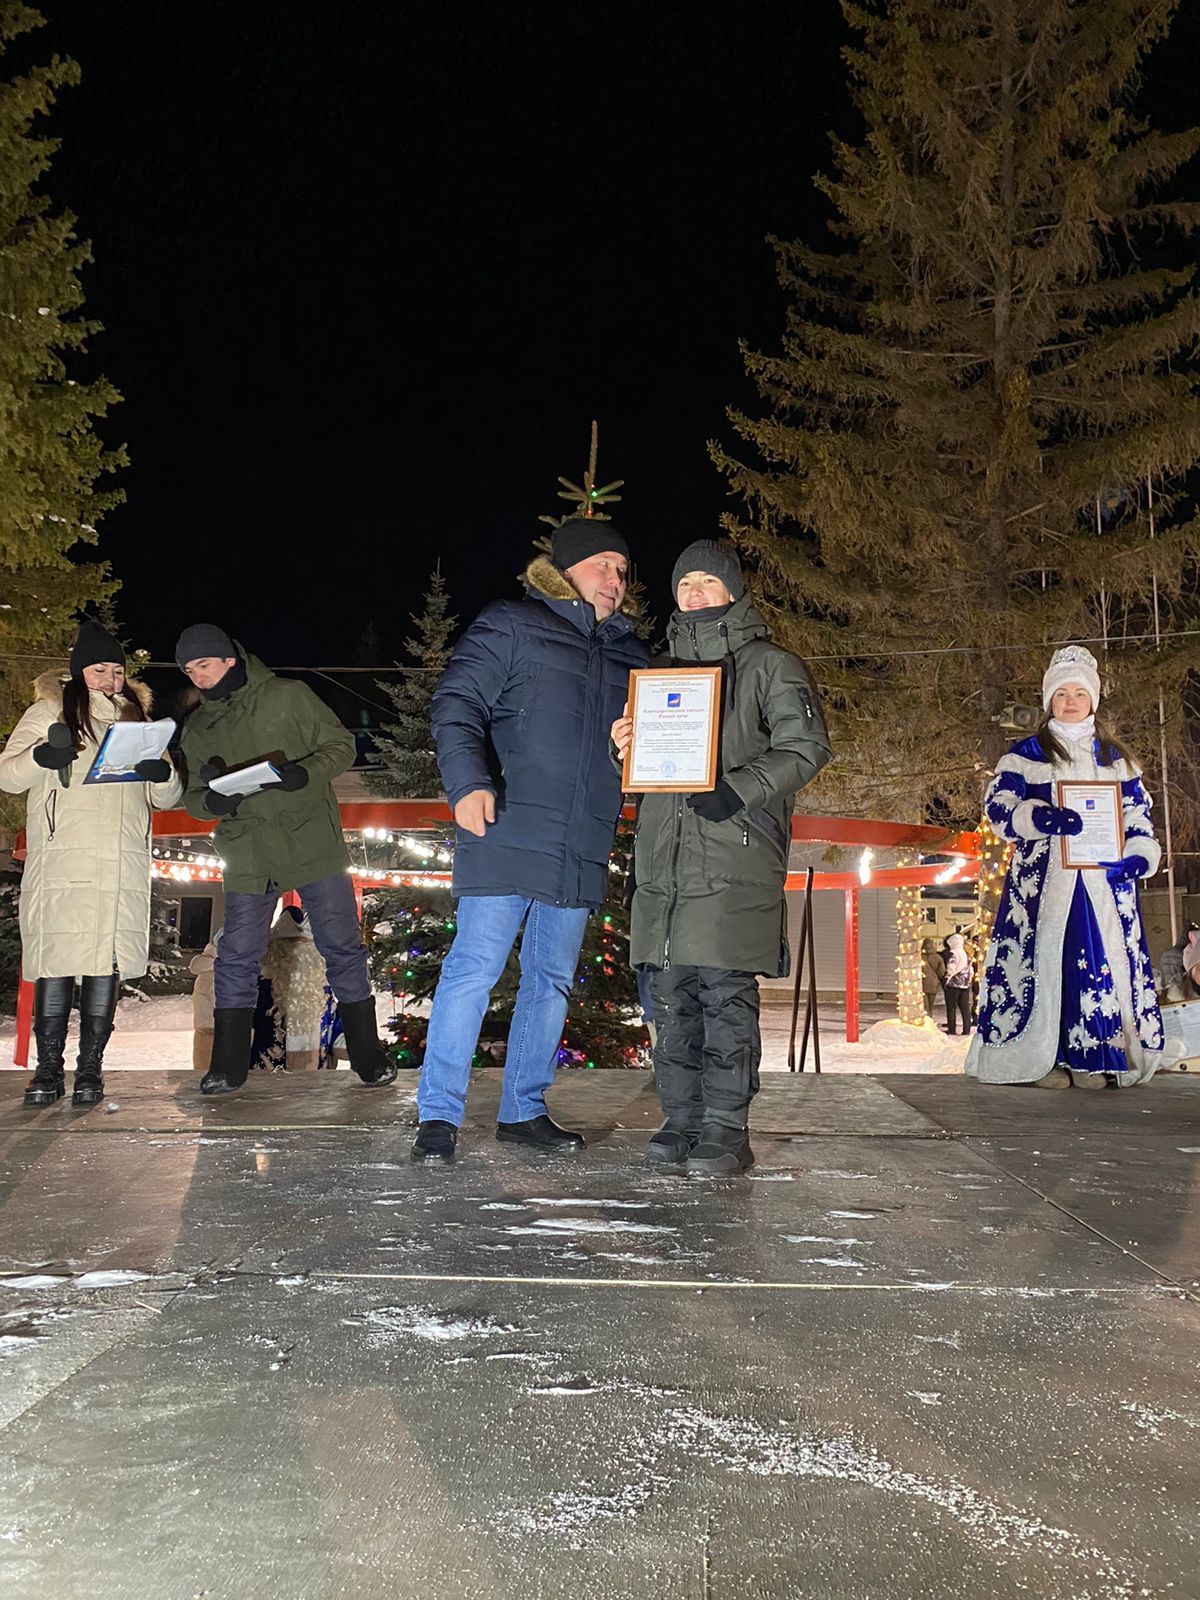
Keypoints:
pixel 85 892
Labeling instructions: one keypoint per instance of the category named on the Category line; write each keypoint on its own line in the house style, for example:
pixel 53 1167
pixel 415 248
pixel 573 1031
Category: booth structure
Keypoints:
pixel 374 818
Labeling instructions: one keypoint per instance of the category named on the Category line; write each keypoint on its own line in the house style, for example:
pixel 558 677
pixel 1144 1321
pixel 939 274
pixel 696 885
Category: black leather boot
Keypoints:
pixel 363 1044
pixel 540 1133
pixel 230 1059
pixel 97 1008
pixel 51 1015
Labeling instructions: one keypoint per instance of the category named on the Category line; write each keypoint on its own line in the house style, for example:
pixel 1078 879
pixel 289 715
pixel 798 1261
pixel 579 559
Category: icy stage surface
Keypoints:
pixel 945 1341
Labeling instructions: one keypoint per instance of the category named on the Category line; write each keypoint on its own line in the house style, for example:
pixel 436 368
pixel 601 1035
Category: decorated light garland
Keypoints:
pixel 910 917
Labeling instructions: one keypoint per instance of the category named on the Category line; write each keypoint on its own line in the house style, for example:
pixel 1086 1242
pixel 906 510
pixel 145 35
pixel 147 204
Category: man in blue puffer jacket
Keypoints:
pixel 521 720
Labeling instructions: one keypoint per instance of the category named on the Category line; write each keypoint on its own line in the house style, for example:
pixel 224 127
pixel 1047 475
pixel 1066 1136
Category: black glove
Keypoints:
pixel 719 805
pixel 58 751
pixel 292 776
pixel 212 769
pixel 156 770
pixel 1056 819
pixel 222 805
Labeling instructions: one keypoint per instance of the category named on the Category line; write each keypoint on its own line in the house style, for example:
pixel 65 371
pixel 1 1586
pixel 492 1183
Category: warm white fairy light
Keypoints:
pixel 864 865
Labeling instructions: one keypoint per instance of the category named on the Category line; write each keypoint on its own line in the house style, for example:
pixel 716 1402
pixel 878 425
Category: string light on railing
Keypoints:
pixel 864 865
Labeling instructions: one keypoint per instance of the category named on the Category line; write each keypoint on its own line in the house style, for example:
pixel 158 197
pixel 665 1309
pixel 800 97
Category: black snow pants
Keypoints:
pixel 708 1048
pixel 958 1004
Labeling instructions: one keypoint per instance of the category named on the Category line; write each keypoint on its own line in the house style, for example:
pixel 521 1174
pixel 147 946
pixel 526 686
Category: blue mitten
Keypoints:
pixel 1056 819
pixel 1126 870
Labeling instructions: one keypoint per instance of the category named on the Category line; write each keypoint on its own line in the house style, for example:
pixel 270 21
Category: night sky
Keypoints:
pixel 367 271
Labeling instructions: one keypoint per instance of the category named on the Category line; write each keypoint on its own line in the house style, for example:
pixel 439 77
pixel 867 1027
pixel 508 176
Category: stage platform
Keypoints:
pixel 943 1341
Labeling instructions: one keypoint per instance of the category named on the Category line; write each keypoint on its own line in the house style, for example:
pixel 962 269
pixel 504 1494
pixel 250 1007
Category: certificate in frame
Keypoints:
pixel 1098 802
pixel 676 714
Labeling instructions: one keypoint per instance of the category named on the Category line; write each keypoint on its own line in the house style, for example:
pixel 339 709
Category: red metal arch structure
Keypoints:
pixel 416 816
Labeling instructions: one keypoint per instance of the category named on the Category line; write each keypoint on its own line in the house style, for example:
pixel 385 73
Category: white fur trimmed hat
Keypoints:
pixel 1072 664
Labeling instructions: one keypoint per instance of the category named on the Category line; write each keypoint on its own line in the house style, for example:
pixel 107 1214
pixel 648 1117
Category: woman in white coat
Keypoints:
pixel 85 893
pixel 1068 994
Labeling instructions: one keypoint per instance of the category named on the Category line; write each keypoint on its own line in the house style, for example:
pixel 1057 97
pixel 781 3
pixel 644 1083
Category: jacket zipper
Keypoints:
pixel 589 717
pixel 51 812
pixel 676 842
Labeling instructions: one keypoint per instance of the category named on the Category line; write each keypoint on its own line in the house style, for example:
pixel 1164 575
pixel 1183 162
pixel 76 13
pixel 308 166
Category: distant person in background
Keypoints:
pixel 301 999
pixel 1180 968
pixel 933 973
pixel 85 892
pixel 288 835
pixel 201 968
pixel 957 983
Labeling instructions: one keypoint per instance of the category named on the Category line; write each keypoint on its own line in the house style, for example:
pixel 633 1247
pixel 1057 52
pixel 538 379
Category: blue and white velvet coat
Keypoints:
pixel 1068 978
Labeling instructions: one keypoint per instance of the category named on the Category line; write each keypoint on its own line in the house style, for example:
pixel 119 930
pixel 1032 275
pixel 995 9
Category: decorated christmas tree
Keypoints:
pixel 53 456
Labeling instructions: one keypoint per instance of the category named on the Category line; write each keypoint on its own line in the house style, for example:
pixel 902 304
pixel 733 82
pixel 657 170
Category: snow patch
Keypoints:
pixel 423 1322
pixel 552 1225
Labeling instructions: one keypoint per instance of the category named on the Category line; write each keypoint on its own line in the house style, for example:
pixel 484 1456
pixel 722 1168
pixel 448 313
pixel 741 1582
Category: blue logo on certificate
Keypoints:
pixel 1089 805
pixel 674 700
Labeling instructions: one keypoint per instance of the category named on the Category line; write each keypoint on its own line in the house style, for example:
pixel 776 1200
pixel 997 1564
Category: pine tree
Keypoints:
pixel 52 457
pixel 408 767
pixel 998 345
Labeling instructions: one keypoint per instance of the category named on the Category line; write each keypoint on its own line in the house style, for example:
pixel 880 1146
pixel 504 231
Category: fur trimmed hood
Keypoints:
pixel 48 686
pixel 542 577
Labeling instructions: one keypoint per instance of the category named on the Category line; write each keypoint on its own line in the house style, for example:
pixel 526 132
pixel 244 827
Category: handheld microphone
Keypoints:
pixel 59 735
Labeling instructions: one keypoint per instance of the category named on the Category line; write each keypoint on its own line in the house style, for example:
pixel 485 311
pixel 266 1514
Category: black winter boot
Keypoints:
pixel 721 1152
pixel 97 1008
pixel 230 1060
pixel 363 1044
pixel 51 1016
pixel 669 1147
pixel 435 1141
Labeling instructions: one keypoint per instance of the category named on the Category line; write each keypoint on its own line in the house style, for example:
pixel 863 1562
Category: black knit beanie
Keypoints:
pixel 581 537
pixel 710 555
pixel 203 639
pixel 94 644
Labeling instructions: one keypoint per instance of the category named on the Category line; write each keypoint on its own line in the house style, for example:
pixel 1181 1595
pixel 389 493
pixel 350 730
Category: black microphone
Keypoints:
pixel 59 735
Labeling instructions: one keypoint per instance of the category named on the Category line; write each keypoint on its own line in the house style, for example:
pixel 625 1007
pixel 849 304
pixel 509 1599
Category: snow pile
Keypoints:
pixel 924 1041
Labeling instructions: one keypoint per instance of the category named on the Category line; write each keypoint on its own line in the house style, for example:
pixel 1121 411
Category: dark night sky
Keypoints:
pixel 368 270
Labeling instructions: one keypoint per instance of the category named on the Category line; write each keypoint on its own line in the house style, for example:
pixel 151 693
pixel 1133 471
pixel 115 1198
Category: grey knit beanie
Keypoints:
pixel 710 555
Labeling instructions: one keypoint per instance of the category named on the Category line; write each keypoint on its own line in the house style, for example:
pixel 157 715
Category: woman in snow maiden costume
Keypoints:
pixel 1068 994
pixel 85 894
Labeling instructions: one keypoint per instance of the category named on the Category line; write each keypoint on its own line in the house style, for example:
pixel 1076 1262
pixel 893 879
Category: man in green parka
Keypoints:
pixel 287 835
pixel 708 909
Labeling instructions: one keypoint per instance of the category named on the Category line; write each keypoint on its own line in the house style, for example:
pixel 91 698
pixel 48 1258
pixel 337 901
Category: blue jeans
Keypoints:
pixel 332 916
pixel 487 926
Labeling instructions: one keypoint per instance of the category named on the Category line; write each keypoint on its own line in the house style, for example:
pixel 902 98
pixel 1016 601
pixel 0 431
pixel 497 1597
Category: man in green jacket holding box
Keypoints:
pixel 287 835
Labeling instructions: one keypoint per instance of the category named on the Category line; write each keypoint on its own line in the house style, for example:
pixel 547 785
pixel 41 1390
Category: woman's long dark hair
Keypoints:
pixel 1111 748
pixel 77 709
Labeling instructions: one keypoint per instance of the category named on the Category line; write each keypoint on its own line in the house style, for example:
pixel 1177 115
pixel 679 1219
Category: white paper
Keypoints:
pixel 246 780
pixel 124 745
pixel 671 721
pixel 1099 806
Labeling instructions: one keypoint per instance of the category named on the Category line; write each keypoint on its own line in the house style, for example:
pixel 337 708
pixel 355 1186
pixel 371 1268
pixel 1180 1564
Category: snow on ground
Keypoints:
pixel 156 1035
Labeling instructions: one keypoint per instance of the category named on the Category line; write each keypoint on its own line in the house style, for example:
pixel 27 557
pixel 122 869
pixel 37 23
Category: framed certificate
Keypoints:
pixel 1103 836
pixel 676 715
